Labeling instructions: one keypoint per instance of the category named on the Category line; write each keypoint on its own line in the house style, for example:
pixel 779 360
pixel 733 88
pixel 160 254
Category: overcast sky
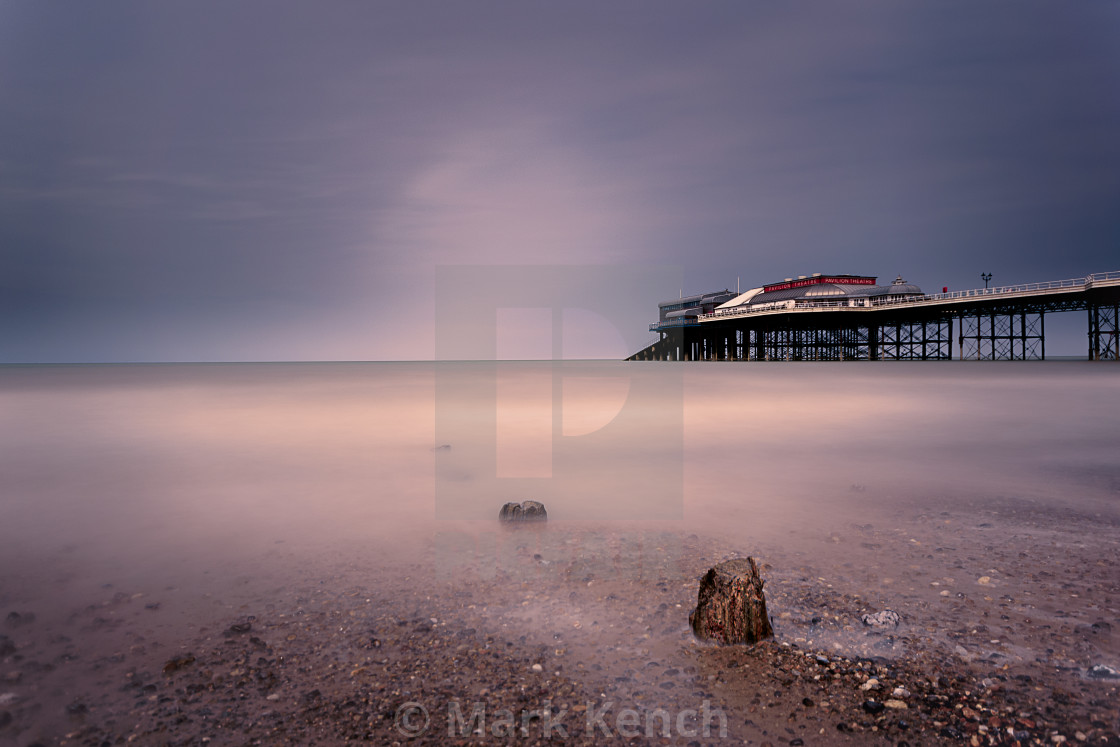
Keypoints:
pixel 279 181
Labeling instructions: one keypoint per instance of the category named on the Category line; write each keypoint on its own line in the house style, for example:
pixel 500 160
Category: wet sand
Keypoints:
pixel 335 648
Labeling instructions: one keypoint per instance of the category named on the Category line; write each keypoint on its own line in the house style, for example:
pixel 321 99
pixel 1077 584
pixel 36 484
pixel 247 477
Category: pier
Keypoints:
pixel 847 317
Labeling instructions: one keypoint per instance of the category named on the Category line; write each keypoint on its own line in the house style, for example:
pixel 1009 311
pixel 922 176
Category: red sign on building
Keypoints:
pixel 818 280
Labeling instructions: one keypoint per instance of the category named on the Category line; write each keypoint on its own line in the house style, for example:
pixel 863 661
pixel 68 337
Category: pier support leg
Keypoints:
pixel 1042 335
pixel 1104 332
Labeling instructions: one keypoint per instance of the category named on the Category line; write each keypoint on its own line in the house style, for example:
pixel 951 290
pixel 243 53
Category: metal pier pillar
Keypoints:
pixel 1104 332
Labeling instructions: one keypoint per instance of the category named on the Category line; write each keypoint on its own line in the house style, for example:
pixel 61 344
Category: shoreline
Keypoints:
pixel 333 658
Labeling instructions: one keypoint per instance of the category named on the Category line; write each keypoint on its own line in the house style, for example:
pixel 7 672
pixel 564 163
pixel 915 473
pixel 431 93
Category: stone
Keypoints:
pixel 6 646
pixel 524 511
pixel 1103 672
pixel 731 606
pixel 882 619
pixel 174 665
pixel 533 511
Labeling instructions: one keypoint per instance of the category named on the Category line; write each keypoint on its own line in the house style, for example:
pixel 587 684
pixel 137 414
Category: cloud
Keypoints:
pixel 514 195
pixel 300 177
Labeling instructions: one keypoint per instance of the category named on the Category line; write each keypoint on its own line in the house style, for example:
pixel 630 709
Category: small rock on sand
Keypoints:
pixel 174 665
pixel 882 619
pixel 1103 672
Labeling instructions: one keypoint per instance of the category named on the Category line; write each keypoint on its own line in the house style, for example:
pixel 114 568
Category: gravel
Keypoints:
pixel 547 637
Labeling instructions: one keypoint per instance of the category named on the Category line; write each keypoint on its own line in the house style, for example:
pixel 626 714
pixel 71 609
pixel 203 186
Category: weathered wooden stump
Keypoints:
pixel 731 607
pixel 524 511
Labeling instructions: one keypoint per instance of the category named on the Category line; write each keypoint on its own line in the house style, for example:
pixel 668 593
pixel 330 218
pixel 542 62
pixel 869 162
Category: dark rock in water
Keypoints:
pixel 731 607
pixel 882 620
pixel 524 511
pixel 873 706
pixel 533 511
pixel 6 646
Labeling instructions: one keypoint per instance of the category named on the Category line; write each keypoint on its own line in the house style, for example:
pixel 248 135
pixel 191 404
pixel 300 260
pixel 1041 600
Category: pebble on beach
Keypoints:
pixel 883 619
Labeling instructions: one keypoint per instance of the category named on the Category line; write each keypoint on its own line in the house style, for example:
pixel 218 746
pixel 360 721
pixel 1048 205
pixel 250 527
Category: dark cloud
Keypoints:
pixel 272 180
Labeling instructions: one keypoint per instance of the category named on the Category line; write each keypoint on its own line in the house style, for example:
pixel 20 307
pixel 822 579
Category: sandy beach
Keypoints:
pixel 340 654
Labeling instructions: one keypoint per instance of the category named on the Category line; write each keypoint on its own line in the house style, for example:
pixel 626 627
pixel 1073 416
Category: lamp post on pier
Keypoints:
pixel 985 276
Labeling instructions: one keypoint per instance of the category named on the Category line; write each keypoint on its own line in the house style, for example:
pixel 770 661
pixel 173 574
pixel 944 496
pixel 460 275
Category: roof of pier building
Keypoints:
pixel 901 288
pixel 824 288
pixel 698 300
pixel 692 305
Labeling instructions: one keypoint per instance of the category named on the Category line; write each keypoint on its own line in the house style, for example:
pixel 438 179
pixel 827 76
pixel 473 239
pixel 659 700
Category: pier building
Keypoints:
pixel 854 317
